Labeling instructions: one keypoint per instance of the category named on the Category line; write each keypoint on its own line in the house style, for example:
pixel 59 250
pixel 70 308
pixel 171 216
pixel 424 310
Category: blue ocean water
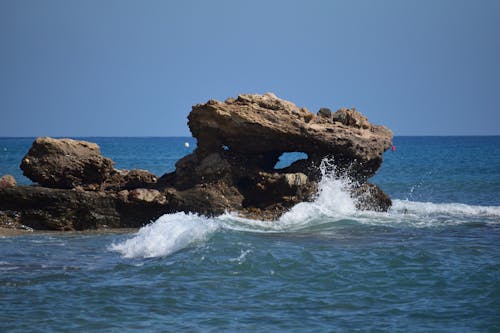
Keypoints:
pixel 430 264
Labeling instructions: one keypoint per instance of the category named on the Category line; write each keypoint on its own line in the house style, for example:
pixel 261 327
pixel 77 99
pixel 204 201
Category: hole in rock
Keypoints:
pixel 287 159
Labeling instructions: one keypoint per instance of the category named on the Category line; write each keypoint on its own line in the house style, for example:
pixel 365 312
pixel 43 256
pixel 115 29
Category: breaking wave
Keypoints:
pixel 169 234
pixel 332 207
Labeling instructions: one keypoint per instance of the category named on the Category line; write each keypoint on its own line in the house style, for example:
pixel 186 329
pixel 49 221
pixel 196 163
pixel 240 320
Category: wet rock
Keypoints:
pixel 44 208
pixel 206 199
pixel 370 197
pixel 10 220
pixel 58 209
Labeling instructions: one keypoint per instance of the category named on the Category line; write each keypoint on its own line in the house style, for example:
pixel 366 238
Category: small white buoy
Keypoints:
pixel 186 144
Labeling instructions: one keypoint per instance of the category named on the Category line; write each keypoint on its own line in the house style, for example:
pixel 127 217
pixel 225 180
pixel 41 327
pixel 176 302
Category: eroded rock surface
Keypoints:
pixel 68 163
pixel 232 169
pixel 263 126
pixel 65 163
pixel 241 140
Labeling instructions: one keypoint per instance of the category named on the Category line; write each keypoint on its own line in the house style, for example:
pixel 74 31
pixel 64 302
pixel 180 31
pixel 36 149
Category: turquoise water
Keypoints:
pixel 431 264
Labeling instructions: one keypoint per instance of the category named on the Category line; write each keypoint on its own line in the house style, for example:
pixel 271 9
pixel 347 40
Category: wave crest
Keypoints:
pixel 455 209
pixel 169 234
pixel 332 207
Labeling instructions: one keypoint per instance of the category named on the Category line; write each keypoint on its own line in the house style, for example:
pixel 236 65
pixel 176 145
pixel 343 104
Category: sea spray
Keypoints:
pixel 414 214
pixel 169 234
pixel 333 199
pixel 173 232
pixel 332 207
pixel 456 209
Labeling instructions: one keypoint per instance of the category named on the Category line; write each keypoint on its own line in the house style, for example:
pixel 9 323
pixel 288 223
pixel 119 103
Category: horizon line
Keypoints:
pixel 185 136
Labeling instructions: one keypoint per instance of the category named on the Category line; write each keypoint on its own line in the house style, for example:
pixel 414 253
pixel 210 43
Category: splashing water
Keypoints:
pixel 169 234
pixel 430 263
pixel 333 199
pixel 333 204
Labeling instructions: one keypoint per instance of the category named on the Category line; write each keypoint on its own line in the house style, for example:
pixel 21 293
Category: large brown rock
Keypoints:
pixel 66 163
pixel 240 142
pixel 266 126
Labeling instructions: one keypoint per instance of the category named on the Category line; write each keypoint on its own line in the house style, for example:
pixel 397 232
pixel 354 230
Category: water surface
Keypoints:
pixel 429 264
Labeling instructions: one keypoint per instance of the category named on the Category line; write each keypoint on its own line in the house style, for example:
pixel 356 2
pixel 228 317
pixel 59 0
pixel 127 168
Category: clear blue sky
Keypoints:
pixel 134 68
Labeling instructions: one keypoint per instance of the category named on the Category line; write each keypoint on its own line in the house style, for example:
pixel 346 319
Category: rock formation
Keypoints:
pixel 67 164
pixel 262 127
pixel 240 142
pixel 233 168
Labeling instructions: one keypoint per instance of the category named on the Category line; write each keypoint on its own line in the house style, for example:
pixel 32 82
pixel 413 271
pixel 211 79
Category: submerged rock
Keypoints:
pixel 232 169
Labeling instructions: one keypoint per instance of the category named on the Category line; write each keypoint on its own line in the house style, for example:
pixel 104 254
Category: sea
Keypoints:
pixel 429 264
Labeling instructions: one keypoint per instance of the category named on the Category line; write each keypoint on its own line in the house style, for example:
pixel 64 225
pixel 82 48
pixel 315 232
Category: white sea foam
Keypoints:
pixel 430 208
pixel 241 259
pixel 174 232
pixel 333 200
pixel 169 234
